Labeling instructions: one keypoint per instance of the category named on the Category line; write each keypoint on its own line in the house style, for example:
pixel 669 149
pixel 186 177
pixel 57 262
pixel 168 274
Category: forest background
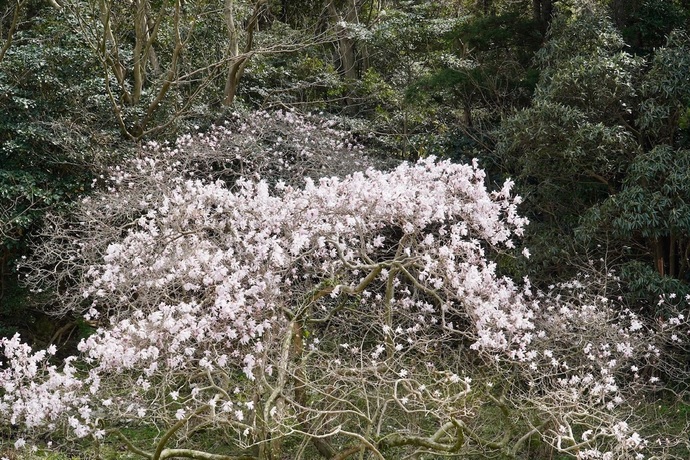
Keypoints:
pixel 584 104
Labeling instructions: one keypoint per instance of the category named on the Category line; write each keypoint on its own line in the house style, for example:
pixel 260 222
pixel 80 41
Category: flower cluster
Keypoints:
pixel 206 277
pixel 269 309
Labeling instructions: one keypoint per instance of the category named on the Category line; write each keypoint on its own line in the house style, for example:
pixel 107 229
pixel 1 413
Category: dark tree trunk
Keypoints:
pixel 542 10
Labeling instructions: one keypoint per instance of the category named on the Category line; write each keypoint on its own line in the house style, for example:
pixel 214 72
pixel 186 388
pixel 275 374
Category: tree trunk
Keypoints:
pixel 234 46
pixel 346 45
pixel 4 269
pixel 238 59
pixel 542 10
pixel 151 55
pixel 672 259
pixel 13 27
pixel 232 81
pixel 467 114
pixel 322 445
pixel 139 64
pixel 536 10
pixel 659 260
pixel 110 55
pixel 485 6
pixel 546 12
pixel 684 253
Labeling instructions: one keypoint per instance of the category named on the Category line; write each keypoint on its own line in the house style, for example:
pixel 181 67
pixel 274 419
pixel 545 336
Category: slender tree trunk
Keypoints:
pixel 542 10
pixel 684 252
pixel 4 257
pixel 171 73
pixel 346 45
pixel 467 114
pixel 284 11
pixel 659 256
pixel 546 11
pixel 109 51
pixel 238 59
pixel 322 446
pixel 139 64
pixel 672 259
pixel 12 28
pixel 536 10
pixel 234 50
pixel 151 55
pixel 485 6
pixel 232 80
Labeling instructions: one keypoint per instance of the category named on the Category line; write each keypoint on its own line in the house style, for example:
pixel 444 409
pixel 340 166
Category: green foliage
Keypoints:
pixel 491 63
pixel 432 72
pixel 12 311
pixel 658 181
pixel 651 209
pixel 579 29
pixel 299 78
pixel 584 65
pixel 599 154
pixel 644 285
pixel 53 134
pixel 648 22
pixel 666 91
pixel 558 141
pixel 495 36
pixel 46 149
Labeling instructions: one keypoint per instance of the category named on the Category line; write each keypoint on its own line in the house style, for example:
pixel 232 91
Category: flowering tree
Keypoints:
pixel 351 315
pixel 274 147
